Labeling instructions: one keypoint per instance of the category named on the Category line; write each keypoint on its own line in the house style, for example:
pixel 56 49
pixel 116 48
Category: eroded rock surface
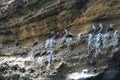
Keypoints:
pixel 26 20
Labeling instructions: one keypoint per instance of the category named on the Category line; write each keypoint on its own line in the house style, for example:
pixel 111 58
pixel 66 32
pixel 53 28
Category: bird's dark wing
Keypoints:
pixel 44 53
pixel 37 55
pixel 35 44
pixel 110 29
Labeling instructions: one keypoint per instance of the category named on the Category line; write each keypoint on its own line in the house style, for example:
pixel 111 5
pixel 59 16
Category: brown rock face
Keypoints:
pixel 27 19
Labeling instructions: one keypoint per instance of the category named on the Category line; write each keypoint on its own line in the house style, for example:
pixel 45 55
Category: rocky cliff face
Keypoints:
pixel 68 63
pixel 27 19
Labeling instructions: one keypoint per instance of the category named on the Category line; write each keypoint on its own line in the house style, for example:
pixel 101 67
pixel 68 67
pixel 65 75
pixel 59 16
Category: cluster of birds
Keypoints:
pixel 49 47
pixel 97 40
pixel 94 40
